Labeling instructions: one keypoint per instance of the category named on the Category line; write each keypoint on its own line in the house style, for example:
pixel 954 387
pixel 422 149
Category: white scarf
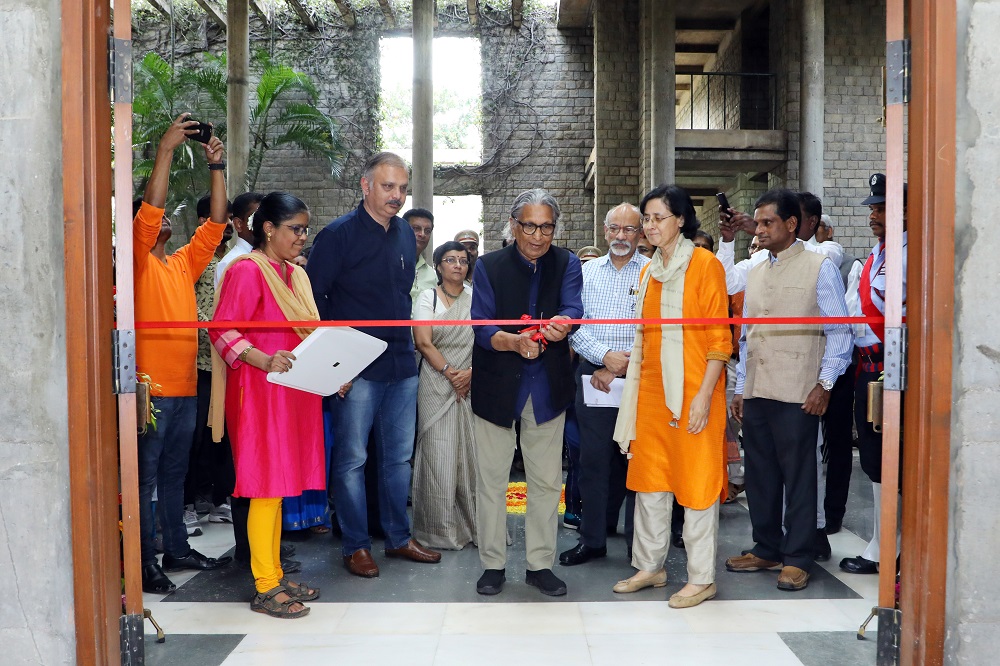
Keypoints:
pixel 671 276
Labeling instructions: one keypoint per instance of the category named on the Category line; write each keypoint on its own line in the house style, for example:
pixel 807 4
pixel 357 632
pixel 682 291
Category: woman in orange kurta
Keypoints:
pixel 673 416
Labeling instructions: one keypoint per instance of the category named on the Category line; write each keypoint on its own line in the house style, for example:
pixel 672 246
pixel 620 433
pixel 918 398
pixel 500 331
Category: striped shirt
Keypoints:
pixel 608 293
pixel 839 339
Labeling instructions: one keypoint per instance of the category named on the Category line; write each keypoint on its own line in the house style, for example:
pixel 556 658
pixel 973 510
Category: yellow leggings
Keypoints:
pixel 264 535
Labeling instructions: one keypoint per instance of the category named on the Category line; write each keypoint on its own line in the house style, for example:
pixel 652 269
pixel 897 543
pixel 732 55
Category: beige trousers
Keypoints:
pixel 652 536
pixel 541 447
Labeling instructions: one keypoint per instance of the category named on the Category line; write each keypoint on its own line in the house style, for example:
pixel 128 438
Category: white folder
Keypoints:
pixel 329 358
pixel 594 398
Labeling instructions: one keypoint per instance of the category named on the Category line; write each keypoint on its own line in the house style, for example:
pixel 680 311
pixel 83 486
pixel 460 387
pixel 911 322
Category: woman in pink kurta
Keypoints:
pixel 275 431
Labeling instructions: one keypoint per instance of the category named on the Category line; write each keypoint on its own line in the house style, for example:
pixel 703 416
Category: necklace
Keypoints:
pixel 451 296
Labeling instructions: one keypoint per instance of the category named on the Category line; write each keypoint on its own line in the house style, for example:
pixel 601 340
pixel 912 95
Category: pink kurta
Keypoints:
pixel 276 432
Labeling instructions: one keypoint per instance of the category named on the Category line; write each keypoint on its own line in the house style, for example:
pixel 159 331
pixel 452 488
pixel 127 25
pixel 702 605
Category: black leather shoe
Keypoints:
pixel 580 555
pixel 546 582
pixel 677 540
pixel 491 582
pixel 155 581
pixel 286 550
pixel 858 565
pixel 194 560
pixel 823 552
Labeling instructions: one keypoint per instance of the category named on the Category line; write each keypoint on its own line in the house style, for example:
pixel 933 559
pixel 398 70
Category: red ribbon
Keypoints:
pixel 383 323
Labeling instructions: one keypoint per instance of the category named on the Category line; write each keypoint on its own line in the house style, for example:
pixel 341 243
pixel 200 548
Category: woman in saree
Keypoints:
pixel 444 469
pixel 672 417
pixel 274 430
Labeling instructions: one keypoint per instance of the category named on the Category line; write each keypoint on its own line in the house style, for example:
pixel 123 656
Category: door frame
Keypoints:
pixel 90 409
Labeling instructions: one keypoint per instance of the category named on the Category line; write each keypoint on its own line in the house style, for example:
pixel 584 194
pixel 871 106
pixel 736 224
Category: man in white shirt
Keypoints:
pixel 610 289
pixel 244 206
pixel 421 221
pixel 869 340
pixel 731 221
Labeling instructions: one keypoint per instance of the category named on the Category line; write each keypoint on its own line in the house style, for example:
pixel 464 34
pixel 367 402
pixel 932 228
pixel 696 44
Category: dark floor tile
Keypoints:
pixel 189 649
pixel 453 580
pixel 832 648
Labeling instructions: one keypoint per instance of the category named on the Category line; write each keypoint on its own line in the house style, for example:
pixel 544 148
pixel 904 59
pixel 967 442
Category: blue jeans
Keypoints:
pixel 389 410
pixel 163 464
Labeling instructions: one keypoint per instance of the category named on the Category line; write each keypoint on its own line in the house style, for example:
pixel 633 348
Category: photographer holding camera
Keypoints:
pixel 164 291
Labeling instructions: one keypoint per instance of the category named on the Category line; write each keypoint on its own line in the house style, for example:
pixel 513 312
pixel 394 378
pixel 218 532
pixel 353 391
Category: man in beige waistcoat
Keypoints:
pixel 783 385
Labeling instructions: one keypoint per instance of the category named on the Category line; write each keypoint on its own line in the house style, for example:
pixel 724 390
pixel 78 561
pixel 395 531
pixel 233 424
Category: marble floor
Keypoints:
pixel 431 614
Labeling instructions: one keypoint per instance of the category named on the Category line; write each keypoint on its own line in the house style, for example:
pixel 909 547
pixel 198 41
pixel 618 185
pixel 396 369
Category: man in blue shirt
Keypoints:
pixel 517 377
pixel 362 267
pixel 610 288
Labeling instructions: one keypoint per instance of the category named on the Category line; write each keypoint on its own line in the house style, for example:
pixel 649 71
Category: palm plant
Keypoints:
pixel 283 112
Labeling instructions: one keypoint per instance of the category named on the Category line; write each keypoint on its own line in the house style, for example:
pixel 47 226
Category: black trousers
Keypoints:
pixel 602 469
pixel 779 443
pixel 210 471
pixel 869 441
pixel 839 443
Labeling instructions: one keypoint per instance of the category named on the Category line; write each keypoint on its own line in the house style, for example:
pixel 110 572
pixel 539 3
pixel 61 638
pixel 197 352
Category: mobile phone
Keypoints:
pixel 204 134
pixel 723 204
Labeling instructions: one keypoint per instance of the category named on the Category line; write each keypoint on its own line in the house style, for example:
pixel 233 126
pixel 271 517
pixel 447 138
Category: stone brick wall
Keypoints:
pixel 538 104
pixel 617 110
pixel 538 125
pixel 854 139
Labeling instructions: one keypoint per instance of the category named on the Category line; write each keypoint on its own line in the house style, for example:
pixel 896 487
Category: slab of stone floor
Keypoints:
pixel 826 648
pixel 188 649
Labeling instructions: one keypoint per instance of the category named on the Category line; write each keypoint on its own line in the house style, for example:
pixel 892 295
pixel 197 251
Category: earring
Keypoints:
pixel 269 237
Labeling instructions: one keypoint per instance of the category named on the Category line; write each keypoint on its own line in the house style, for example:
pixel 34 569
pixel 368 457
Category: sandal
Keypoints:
pixel 299 591
pixel 734 491
pixel 265 602
pixel 319 529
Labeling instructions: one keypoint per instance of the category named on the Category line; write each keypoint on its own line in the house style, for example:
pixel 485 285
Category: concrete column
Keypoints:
pixel 238 107
pixel 812 98
pixel 422 178
pixel 36 564
pixel 663 66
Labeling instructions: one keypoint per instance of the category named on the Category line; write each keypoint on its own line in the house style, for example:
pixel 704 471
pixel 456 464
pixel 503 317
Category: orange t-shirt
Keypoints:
pixel 164 291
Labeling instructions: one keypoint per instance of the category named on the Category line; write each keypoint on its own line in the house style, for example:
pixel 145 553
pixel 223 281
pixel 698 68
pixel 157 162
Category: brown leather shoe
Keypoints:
pixel 793 579
pixel 750 562
pixel 414 551
pixel 361 563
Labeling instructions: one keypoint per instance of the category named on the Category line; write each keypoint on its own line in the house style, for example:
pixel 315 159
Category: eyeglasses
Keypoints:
pixel 647 219
pixel 614 229
pixel 451 261
pixel 530 228
pixel 297 229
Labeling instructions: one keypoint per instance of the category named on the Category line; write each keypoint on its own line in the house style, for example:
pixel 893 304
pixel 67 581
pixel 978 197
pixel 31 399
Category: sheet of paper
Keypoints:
pixel 594 398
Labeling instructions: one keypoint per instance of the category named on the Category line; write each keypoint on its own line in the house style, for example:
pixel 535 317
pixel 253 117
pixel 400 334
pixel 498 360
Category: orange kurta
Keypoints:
pixel 668 459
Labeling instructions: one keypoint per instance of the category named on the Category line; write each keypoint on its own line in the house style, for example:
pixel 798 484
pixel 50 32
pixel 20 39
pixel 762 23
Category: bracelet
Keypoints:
pixel 242 358
pixel 216 166
pixel 445 368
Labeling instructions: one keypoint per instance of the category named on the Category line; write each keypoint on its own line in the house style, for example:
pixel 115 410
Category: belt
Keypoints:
pixel 871 358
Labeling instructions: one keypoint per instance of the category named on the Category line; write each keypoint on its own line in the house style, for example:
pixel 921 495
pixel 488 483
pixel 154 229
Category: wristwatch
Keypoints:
pixel 826 384
pixel 445 368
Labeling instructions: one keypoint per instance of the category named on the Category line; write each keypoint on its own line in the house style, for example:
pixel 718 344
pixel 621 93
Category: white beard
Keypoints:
pixel 621 249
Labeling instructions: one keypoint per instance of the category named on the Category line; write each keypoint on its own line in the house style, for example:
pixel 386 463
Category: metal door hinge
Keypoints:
pixel 132 646
pixel 120 70
pixel 123 360
pixel 895 359
pixel 890 621
pixel 897 71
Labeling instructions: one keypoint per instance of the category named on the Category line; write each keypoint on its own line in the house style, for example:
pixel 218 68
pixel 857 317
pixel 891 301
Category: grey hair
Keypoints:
pixel 825 219
pixel 377 160
pixel 622 206
pixel 535 197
